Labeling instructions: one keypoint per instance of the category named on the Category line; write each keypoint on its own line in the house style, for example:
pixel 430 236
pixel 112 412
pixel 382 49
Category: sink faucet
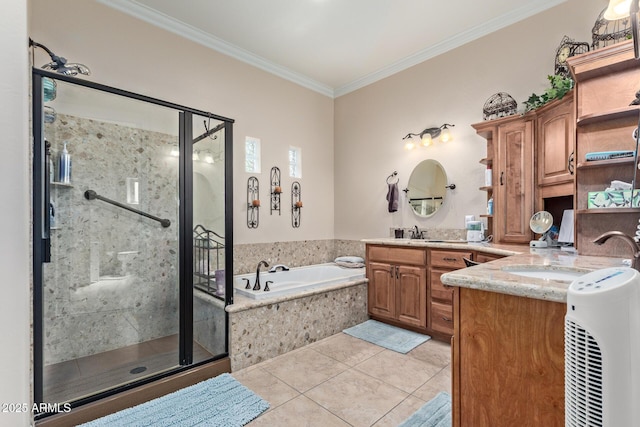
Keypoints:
pixel 635 263
pixel 416 233
pixel 256 287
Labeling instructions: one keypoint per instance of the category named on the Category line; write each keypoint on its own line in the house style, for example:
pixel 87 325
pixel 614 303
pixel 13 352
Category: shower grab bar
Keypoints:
pixel 90 195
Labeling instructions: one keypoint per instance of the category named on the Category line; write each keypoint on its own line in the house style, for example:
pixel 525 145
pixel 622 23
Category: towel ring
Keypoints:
pixel 395 173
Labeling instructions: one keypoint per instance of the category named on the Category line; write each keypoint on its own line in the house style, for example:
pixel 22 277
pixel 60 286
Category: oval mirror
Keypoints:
pixel 427 188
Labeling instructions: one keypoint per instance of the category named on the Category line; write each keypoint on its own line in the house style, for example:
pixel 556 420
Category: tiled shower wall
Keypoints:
pixel 95 299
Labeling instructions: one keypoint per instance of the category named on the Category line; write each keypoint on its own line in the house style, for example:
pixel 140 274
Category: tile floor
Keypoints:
pixel 344 381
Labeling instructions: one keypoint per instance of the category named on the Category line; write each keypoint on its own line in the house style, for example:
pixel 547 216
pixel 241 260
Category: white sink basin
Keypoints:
pixel 564 274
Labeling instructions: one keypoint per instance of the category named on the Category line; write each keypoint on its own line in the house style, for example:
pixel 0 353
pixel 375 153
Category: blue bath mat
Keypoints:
pixel 221 401
pixel 434 413
pixel 387 336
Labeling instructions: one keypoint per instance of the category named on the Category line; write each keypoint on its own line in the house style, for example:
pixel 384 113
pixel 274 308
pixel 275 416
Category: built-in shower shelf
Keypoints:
pixel 61 184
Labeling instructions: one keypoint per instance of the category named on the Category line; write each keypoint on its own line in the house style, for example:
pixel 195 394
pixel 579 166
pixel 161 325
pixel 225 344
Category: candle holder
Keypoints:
pixel 253 202
pixel 296 204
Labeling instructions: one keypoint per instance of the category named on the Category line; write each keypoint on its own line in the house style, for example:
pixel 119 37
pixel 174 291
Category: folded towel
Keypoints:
pixel 351 259
pixel 350 264
pixel 392 197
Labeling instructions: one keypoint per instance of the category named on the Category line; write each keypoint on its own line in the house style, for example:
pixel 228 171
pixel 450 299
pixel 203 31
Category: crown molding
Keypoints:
pixel 133 8
pixel 453 42
pixel 146 14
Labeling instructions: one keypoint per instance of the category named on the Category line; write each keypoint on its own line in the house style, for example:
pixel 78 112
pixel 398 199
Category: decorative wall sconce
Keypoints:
pixel 253 202
pixel 296 204
pixel 276 190
pixel 427 136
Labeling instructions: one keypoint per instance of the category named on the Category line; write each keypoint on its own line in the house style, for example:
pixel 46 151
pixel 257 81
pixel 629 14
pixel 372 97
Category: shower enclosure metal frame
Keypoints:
pixel 41 228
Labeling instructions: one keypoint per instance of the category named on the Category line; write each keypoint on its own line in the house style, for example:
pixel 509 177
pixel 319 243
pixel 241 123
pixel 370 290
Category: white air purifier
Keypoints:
pixel 602 349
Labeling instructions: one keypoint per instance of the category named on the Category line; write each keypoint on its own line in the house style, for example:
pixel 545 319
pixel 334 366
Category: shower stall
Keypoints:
pixel 132 236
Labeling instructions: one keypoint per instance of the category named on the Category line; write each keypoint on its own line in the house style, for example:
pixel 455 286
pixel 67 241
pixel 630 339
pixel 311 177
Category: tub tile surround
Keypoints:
pixel 293 254
pixel 261 330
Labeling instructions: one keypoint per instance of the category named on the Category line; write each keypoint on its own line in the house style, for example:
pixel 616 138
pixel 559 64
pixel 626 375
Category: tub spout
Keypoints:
pixel 256 287
pixel 635 263
pixel 278 267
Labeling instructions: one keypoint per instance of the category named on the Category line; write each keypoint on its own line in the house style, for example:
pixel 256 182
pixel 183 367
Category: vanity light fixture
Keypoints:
pixel 619 9
pixel 427 135
pixel 59 64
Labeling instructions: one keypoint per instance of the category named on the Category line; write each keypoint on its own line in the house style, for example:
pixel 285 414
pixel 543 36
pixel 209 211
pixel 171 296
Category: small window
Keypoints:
pixel 295 162
pixel 252 155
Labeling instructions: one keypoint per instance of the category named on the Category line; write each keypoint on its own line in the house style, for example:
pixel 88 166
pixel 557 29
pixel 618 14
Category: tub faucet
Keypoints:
pixel 278 267
pixel 256 287
pixel 635 262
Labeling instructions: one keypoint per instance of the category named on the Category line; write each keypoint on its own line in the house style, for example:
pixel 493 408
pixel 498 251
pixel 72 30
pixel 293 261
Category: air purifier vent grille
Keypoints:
pixel 583 378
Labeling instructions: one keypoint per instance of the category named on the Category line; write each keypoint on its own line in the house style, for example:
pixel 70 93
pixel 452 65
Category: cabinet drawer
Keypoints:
pixel 449 259
pixel 486 257
pixel 394 255
pixel 442 318
pixel 438 290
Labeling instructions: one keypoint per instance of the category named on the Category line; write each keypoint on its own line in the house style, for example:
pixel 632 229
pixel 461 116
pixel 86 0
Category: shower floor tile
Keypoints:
pixel 73 379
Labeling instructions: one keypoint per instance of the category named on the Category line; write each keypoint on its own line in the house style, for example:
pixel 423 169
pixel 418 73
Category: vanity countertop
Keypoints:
pixel 491 276
pixel 505 250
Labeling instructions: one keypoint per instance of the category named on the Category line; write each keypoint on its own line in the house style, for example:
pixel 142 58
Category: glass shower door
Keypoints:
pixel 110 293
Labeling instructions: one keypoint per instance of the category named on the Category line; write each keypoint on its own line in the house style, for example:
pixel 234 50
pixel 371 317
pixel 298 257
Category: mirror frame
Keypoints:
pixel 420 168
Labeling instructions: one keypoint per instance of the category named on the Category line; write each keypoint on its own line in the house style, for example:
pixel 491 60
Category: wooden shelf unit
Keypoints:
pixel 606 82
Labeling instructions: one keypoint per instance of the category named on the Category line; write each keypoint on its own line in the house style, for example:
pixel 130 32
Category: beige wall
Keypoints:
pixel 15 297
pixel 128 53
pixel 451 88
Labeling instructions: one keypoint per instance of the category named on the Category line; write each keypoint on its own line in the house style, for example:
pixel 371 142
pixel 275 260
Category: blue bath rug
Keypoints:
pixel 387 336
pixel 221 401
pixel 434 413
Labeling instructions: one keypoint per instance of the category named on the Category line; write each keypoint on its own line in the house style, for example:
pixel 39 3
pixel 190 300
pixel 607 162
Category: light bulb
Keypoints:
pixel 208 158
pixel 409 145
pixel 617 9
pixel 175 152
pixel 426 140
pixel 445 136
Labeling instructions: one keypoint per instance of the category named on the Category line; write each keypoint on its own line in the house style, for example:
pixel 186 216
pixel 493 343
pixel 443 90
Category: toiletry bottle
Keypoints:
pixel 490 206
pixel 64 166
pixel 488 177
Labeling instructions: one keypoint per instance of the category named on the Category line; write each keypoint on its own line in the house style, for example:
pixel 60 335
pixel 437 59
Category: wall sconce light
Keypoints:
pixel 618 9
pixel 427 135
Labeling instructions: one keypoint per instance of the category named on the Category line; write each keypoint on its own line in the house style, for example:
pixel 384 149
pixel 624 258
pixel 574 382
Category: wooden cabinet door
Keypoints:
pixel 412 295
pixel 555 136
pixel 514 202
pixel 382 295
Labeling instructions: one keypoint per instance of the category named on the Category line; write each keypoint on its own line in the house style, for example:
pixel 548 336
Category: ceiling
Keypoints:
pixel 332 46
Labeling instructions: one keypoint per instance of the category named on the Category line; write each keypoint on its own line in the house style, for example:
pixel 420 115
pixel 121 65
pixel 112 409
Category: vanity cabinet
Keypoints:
pixel 510 141
pixel 607 80
pixel 440 295
pixel 397 290
pixel 508 360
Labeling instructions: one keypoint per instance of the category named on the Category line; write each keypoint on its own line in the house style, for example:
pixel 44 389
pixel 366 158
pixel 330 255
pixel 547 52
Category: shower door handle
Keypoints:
pixel 46 205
